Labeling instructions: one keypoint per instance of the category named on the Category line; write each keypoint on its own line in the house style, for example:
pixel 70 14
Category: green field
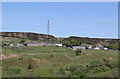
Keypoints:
pixel 56 62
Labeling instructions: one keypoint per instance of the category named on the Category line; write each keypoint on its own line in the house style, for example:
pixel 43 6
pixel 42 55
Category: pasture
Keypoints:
pixel 52 61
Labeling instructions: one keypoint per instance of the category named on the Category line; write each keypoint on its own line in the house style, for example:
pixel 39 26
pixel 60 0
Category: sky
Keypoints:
pixel 83 19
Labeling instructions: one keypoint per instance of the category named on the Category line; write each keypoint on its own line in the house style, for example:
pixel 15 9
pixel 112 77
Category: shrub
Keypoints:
pixel 29 66
pixel 78 52
pixel 77 71
pixel 19 59
pixel 97 69
pixel 51 55
pixel 97 63
pixel 112 65
pixel 105 69
pixel 25 44
pixel 22 41
pixel 100 69
pixel 4 45
pixel 86 47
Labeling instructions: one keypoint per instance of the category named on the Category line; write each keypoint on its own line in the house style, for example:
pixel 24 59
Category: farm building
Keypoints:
pixel 42 44
pixel 58 44
pixel 89 46
pixel 37 44
pixel 78 47
pixel 98 47
pixel 105 48
pixel 19 45
pixel 11 45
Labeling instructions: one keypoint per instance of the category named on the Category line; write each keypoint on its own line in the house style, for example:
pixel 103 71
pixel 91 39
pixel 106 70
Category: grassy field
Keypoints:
pixel 53 62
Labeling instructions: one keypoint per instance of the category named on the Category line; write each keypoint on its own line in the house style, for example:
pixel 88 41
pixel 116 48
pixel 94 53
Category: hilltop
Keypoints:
pixel 42 37
pixel 26 35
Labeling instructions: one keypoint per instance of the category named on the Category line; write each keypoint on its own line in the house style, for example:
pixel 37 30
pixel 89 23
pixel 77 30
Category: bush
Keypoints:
pixel 51 55
pixel 100 69
pixel 4 45
pixel 29 66
pixel 98 66
pixel 112 65
pixel 78 52
pixel 105 69
pixel 77 71
pixel 86 47
pixel 22 41
pixel 97 69
pixel 97 63
pixel 25 44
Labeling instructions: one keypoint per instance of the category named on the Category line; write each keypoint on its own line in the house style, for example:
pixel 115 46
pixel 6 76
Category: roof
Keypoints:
pixel 36 43
pixel 41 43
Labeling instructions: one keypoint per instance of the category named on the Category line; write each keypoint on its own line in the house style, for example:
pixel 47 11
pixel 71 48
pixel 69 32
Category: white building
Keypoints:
pixel 58 44
pixel 105 48
pixel 11 45
pixel 97 48
pixel 78 47
pixel 90 47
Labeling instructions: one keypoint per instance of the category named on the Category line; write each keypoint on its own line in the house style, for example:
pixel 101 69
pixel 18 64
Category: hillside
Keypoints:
pixel 94 40
pixel 55 61
pixel 36 36
pixel 30 36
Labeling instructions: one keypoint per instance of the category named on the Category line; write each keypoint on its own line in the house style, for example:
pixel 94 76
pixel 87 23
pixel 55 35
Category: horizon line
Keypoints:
pixel 73 36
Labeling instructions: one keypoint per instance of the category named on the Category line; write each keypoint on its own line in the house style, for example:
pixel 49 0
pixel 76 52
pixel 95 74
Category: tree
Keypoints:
pixel 75 43
pixel 114 47
pixel 67 43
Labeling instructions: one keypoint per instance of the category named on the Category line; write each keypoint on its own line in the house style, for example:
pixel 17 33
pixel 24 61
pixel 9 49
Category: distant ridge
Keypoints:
pixel 37 36
pixel 27 35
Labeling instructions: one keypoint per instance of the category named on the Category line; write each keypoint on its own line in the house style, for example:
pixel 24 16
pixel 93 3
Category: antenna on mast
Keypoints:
pixel 48 32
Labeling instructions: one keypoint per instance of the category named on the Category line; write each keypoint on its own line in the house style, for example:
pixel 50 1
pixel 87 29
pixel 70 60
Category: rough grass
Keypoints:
pixel 52 66
pixel 23 50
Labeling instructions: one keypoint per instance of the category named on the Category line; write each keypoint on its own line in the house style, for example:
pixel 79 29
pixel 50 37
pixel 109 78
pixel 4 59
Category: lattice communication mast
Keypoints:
pixel 48 32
